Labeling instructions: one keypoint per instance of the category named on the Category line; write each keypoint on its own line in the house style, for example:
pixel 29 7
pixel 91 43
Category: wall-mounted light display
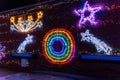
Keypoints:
pixel 99 45
pixel 59 46
pixel 62 36
pixel 22 24
pixel 87 14
pixel 28 40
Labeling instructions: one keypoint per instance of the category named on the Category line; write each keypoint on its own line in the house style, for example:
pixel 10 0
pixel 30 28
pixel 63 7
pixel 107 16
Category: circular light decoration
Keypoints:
pixel 58 46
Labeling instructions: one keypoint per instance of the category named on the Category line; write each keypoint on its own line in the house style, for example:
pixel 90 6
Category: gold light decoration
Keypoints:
pixel 20 24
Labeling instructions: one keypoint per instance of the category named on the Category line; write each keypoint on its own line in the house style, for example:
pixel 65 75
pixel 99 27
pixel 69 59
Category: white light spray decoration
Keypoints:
pixel 100 45
pixel 28 40
pixel 26 25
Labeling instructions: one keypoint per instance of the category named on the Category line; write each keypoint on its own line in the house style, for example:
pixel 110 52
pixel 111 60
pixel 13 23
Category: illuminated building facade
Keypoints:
pixel 59 41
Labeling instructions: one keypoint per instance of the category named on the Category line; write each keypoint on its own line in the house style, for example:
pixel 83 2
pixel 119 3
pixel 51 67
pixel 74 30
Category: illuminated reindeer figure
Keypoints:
pixel 28 40
pixel 100 45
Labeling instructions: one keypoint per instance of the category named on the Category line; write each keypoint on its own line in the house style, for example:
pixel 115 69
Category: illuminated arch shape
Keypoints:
pixel 67 41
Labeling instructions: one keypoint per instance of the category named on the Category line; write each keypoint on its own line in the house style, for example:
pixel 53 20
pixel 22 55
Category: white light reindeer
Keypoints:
pixel 28 40
pixel 100 45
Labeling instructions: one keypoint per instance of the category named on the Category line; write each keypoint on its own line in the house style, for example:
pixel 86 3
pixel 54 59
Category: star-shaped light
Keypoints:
pixel 90 16
pixel 86 36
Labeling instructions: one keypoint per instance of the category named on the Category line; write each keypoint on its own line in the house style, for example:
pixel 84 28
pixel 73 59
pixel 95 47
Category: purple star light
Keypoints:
pixel 87 14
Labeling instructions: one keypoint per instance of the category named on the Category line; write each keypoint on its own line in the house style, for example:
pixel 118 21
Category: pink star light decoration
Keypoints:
pixel 87 17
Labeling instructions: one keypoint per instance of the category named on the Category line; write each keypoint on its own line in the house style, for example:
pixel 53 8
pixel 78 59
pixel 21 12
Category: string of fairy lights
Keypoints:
pixel 60 35
pixel 106 8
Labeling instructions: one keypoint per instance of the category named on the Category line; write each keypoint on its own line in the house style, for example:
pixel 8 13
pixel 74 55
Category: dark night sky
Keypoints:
pixel 11 4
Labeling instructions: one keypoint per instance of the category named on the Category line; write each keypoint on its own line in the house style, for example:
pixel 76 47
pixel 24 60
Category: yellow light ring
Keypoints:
pixel 68 52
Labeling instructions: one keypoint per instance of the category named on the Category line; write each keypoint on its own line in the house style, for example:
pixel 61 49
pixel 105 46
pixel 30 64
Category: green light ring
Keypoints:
pixel 65 54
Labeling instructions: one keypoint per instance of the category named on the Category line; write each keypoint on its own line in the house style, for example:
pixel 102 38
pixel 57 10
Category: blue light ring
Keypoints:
pixel 60 55
pixel 55 54
pixel 62 39
pixel 61 35
pixel 51 39
pixel 63 46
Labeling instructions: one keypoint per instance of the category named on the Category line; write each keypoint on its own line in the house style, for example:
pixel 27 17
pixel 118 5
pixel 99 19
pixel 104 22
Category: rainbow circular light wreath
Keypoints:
pixel 65 38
